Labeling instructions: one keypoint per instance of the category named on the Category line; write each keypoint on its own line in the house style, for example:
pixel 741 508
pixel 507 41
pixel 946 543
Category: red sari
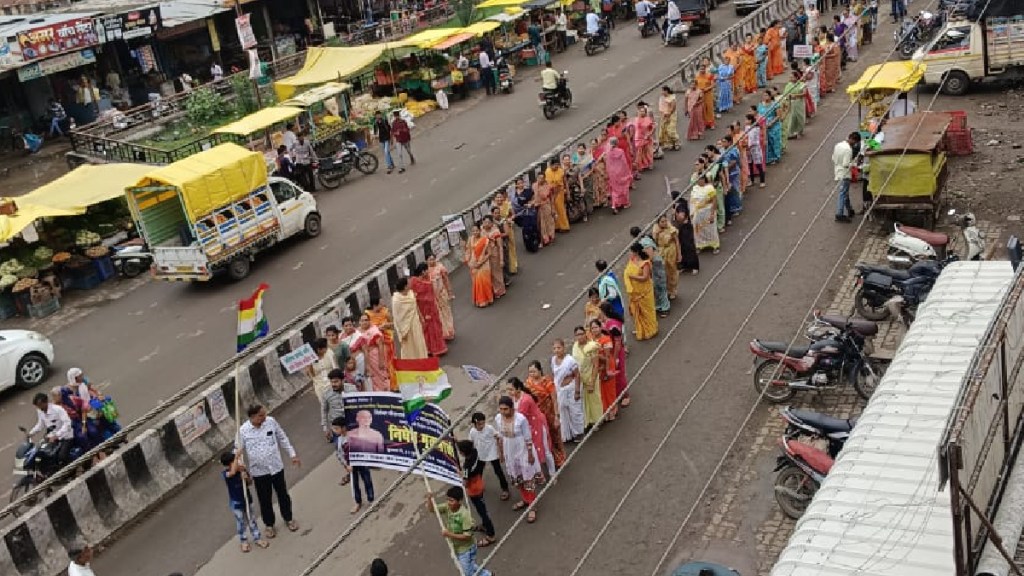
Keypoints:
pixel 608 376
pixel 538 426
pixel 430 317
pixel 544 391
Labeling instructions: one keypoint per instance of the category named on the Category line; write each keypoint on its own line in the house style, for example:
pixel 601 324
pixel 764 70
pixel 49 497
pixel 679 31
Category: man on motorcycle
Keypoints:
pixel 549 78
pixel 55 422
pixel 595 27
pixel 671 19
pixel 645 9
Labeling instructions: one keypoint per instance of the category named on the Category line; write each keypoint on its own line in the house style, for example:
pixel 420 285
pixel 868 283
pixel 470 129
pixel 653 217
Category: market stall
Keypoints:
pixel 60 235
pixel 328 65
pixel 263 130
pixel 325 112
pixel 876 87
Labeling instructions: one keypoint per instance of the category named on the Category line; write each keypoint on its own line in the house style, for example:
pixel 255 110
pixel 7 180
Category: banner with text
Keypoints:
pixel 380 437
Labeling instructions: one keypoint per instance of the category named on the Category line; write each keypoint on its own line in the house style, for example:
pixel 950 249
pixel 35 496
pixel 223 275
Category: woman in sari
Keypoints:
pixel 377 361
pixel 644 139
pixel 478 259
pixel 809 78
pixel 587 356
pixel 620 176
pixel 748 65
pixel 517 453
pixel 640 293
pixel 662 304
pixel 667 238
pixel 781 113
pixel 774 42
pixel 496 254
pixel 668 134
pixel 726 71
pixel 443 290
pixel 739 138
pixel 813 21
pixel 542 197
pixel 408 326
pixel 628 140
pixel 689 259
pixel 599 174
pixel 565 371
pixel 526 404
pixel 507 226
pixel 695 112
pixel 525 206
pixel 703 214
pixel 831 67
pixel 426 300
pixel 852 23
pixel 761 56
pixel 381 318
pixel 614 325
pixel 796 90
pixel 705 80
pixel 542 388
pixel 554 175
pixel 606 373
pixel 773 148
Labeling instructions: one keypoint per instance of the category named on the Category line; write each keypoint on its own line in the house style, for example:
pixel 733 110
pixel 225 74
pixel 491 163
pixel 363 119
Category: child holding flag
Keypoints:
pixel 458 528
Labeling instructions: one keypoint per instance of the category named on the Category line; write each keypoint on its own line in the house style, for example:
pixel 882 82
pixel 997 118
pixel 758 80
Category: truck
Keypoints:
pixel 214 211
pixel 970 50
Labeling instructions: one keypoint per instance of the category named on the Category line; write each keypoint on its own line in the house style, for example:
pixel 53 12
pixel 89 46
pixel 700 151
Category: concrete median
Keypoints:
pixel 136 477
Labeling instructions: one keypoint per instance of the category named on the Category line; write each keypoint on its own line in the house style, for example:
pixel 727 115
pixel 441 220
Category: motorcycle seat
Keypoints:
pixel 936 239
pixel 862 327
pixel 794 351
pixel 877 280
pixel 884 270
pixel 815 458
pixel 824 422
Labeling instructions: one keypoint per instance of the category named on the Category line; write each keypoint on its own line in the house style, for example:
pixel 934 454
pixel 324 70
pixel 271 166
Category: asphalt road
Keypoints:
pixel 578 505
pixel 151 343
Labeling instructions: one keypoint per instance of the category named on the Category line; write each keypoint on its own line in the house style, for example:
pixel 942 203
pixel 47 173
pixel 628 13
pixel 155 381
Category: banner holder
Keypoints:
pixel 430 494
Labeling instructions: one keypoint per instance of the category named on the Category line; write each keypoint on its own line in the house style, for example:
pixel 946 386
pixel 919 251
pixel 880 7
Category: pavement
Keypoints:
pixel 701 366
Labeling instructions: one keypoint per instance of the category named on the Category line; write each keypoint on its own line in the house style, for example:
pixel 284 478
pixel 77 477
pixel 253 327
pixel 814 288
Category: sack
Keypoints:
pixel 109 410
pixel 475 486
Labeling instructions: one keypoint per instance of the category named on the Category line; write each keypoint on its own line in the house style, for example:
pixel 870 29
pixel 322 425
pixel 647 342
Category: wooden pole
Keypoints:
pixel 430 494
pixel 240 447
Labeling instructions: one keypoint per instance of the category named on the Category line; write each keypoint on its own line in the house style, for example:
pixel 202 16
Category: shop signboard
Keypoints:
pixel 56 64
pixel 128 25
pixel 246 36
pixel 59 38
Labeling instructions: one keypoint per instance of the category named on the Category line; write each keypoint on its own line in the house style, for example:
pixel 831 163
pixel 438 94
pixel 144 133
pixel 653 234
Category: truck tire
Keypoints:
pixel 956 83
pixel 239 268
pixel 312 225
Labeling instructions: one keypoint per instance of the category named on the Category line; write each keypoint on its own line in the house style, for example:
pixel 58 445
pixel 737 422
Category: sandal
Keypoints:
pixel 484 542
pixel 345 480
pixel 246 548
pixel 355 509
pixel 503 496
pixel 269 532
pixel 293 526
pixel 531 517
pixel 519 506
pixel 262 544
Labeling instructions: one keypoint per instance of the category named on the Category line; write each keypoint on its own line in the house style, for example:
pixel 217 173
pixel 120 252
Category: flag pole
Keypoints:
pixel 430 494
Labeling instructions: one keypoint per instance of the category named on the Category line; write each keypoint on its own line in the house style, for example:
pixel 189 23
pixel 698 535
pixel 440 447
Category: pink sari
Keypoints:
pixel 644 142
pixel 526 406
pixel 620 177
pixel 377 368
pixel 695 109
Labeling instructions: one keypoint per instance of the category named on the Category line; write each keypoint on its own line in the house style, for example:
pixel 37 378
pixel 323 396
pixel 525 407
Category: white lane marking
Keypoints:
pixel 150 356
pixel 298 265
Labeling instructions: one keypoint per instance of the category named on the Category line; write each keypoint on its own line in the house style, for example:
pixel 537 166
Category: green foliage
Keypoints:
pixel 245 99
pixel 203 105
pixel 464 11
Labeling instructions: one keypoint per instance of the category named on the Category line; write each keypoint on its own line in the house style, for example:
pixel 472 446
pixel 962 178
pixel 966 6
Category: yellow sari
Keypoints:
pixel 706 83
pixel 641 299
pixel 556 178
pixel 586 357
pixel 505 211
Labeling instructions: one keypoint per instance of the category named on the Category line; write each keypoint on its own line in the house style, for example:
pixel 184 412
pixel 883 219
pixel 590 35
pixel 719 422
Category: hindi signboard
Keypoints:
pixel 245 33
pixel 301 357
pixel 59 38
pixel 128 25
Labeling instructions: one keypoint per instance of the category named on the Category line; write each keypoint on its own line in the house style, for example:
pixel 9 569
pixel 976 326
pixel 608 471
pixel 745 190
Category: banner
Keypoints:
pixel 56 64
pixel 245 33
pixel 54 39
pixel 128 25
pixel 301 357
pixel 380 437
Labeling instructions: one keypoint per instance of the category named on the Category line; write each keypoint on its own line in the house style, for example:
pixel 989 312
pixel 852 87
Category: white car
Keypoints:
pixel 25 358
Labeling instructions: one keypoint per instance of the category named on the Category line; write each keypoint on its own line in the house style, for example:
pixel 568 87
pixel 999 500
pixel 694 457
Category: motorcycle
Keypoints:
pixel 781 370
pixel 801 469
pixel 648 25
pixel 595 42
pixel 551 101
pixel 677 34
pixel 34 463
pixel 332 170
pixel 974 239
pixel 907 245
pixel 505 83
pixel 131 259
pixel 877 286
pixel 915 33
pixel 817 426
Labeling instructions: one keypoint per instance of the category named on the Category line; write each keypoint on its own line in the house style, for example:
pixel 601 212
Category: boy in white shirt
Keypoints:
pixel 485 440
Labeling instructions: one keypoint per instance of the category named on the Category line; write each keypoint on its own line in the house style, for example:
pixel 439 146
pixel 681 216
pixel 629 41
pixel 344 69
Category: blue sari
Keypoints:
pixel 761 53
pixel 725 74
pixel 773 140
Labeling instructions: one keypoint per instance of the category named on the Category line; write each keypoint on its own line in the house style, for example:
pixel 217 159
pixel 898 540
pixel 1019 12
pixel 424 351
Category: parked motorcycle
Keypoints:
pixel 801 469
pixel 974 239
pixel 34 463
pixel 596 42
pixel 131 259
pixel 648 25
pixel 781 370
pixel 332 170
pixel 907 245
pixel 505 83
pixel 877 286
pixel 677 34
pixel 818 426
pixel 915 33
pixel 552 101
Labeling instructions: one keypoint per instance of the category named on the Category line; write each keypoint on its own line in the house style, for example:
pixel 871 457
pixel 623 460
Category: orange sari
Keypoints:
pixel 706 82
pixel 379 319
pixel 543 389
pixel 480 270
pixel 748 69
pixel 774 42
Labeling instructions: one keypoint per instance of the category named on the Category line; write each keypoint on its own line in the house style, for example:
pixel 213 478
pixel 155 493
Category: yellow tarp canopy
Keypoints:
pixel 328 65
pixel 318 94
pixel 492 3
pixel 71 194
pixel 425 38
pixel 480 28
pixel 211 178
pixel 257 121
pixel 896 76
pixel 450 41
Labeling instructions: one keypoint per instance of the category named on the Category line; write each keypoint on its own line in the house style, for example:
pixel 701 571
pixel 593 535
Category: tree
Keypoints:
pixel 464 11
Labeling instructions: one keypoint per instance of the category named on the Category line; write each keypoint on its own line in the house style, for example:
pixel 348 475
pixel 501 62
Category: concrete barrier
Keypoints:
pixel 138 475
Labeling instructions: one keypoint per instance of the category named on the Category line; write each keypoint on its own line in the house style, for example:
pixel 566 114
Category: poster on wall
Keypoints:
pixel 192 423
pixel 128 25
pixel 53 65
pixel 246 36
pixel 59 38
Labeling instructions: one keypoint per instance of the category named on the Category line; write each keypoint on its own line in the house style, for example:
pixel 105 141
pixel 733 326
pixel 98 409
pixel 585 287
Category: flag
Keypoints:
pixel 252 324
pixel 420 382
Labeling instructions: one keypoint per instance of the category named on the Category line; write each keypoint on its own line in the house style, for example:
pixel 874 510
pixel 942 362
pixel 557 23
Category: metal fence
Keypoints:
pixel 977 449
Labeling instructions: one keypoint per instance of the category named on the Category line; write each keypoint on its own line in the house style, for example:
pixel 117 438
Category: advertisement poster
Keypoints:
pixel 134 24
pixel 55 39
pixel 192 423
pixel 300 358
pixel 57 64
pixel 246 36
pixel 219 411
pixel 380 437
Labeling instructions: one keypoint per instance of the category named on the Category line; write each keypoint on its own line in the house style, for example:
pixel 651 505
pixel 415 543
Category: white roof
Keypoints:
pixel 10 25
pixel 178 12
pixel 879 511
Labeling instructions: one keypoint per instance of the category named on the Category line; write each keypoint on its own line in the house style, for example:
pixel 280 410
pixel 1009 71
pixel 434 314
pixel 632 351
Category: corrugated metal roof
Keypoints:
pixel 879 511
pixel 11 25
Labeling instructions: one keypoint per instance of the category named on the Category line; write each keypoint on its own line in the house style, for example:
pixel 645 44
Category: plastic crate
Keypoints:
pixel 45 309
pixel 960 143
pixel 85 278
pixel 8 309
pixel 959 123
pixel 105 268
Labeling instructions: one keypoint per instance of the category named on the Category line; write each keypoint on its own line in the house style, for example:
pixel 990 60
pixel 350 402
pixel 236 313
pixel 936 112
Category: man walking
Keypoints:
pixel 304 156
pixel 842 162
pixel 401 136
pixel 261 440
pixel 383 131
pixel 80 559
pixel 458 529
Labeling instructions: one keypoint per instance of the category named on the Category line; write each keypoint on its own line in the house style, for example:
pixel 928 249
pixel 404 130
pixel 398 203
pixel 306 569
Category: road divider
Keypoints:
pixel 166 449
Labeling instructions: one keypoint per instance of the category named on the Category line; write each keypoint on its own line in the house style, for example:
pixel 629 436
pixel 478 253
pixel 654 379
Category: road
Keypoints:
pixel 590 488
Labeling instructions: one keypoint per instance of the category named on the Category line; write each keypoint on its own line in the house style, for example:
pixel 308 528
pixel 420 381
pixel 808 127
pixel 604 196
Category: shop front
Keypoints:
pixel 133 68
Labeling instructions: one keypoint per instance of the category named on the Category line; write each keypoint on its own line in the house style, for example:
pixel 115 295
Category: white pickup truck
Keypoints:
pixel 215 211
pixel 966 51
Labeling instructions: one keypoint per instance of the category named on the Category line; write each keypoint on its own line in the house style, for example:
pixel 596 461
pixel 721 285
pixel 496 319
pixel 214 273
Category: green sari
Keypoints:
pixel 796 119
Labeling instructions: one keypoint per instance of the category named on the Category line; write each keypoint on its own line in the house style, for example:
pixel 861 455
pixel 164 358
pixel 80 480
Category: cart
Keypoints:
pixel 325 110
pixel 262 131
pixel 877 85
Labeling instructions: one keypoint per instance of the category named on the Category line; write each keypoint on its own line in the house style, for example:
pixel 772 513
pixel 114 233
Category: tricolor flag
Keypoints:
pixel 420 381
pixel 252 324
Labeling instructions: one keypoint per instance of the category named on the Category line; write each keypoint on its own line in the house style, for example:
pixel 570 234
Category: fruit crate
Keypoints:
pixel 959 123
pixel 84 278
pixel 960 143
pixel 45 309
pixel 105 268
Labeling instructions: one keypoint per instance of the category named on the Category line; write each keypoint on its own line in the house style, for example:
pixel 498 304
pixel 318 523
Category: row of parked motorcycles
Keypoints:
pixel 839 352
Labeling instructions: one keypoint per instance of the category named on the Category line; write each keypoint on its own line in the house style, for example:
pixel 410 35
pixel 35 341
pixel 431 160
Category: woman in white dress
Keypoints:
pixel 518 454
pixel 351 337
pixel 566 373
pixel 319 370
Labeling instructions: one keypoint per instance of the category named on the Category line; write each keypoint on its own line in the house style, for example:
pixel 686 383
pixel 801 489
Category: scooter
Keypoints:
pixel 551 102
pixel 801 469
pixel 908 245
pixel 131 259
pixel 648 25
pixel 974 238
pixel 677 34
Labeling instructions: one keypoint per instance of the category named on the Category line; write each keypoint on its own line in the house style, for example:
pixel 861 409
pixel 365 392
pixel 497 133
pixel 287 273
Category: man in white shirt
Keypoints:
pixel 594 27
pixel 462 63
pixel 80 559
pixel 549 78
pixel 289 138
pixel 561 28
pixel 487 73
pixel 671 18
pixel 216 71
pixel 903 106
pixel 55 423
pixel 261 439
pixel 842 162
pixel 644 8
